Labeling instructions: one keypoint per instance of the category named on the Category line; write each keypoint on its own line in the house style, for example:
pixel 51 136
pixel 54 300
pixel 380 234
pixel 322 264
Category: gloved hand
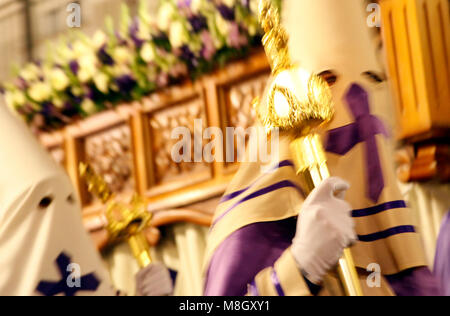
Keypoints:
pixel 154 280
pixel 324 228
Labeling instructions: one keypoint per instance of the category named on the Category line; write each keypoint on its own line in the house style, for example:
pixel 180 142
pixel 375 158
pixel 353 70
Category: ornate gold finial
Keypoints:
pixel 125 221
pixel 296 101
pixel 276 39
pixel 96 184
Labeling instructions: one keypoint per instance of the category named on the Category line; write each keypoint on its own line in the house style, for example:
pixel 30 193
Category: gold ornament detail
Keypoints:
pixel 275 39
pixel 125 221
pixel 303 114
pixel 308 111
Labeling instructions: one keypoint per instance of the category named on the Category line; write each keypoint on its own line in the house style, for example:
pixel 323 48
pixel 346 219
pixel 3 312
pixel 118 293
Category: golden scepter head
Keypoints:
pixel 296 100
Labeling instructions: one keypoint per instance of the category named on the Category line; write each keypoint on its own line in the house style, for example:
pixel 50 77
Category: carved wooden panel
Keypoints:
pixel 239 99
pixel 185 112
pixel 105 141
pixel 110 154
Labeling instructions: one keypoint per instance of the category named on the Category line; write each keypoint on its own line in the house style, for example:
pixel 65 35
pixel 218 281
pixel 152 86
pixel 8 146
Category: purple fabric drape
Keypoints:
pixel 415 282
pixel 248 251
pixel 442 260
pixel 244 254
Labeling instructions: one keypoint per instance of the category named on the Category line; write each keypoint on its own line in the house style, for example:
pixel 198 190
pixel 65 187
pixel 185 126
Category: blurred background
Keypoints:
pixel 110 91
pixel 31 23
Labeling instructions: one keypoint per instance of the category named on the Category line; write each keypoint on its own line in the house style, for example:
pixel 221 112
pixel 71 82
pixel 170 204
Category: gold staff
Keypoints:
pixel 299 104
pixel 125 222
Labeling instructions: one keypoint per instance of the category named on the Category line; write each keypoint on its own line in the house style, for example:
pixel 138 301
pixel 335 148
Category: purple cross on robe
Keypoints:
pixel 88 282
pixel 363 130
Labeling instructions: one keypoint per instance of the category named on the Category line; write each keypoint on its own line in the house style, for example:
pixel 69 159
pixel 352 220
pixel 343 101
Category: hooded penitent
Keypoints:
pixel 44 248
pixel 255 222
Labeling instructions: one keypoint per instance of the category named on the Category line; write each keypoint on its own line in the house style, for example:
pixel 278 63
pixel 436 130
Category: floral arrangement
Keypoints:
pixel 84 75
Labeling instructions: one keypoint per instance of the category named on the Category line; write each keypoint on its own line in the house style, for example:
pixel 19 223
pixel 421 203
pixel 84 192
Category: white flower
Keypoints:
pixel 122 55
pixel 64 53
pixel 18 97
pixel 76 91
pixel 57 102
pixel 197 6
pixel 148 52
pixel 58 79
pixel 101 81
pixel 40 91
pixel 252 29
pixel 165 14
pixel 120 70
pixel 144 31
pixel 81 49
pixel 99 39
pixel 88 106
pixel 222 25
pixel 30 72
pixel 229 3
pixel 178 34
pixel 88 67
pixel 254 4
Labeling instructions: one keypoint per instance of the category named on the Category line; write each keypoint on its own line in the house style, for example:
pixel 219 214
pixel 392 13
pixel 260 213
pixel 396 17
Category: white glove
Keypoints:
pixel 324 228
pixel 154 280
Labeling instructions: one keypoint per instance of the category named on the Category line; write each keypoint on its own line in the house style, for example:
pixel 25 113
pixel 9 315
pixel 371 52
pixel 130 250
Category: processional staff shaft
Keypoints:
pixel 299 104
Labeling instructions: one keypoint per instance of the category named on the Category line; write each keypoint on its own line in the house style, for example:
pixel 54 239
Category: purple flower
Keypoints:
pixel 122 41
pixel 236 39
pixel 246 4
pixel 21 83
pixel 125 83
pixel 70 108
pixel 187 55
pixel 209 49
pixel 74 66
pixel 198 23
pixel 162 80
pixel 104 57
pixel 226 12
pixel 134 30
pixel 184 4
pixel 48 109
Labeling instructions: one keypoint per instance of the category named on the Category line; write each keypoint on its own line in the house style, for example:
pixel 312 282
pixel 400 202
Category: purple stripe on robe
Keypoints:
pixel 387 233
pixel 245 253
pixel 442 260
pixel 276 283
pixel 282 164
pixel 274 187
pixel 378 208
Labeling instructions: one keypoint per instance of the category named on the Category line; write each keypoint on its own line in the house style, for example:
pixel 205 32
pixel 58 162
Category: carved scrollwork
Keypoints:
pixel 240 97
pixel 162 124
pixel 110 155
